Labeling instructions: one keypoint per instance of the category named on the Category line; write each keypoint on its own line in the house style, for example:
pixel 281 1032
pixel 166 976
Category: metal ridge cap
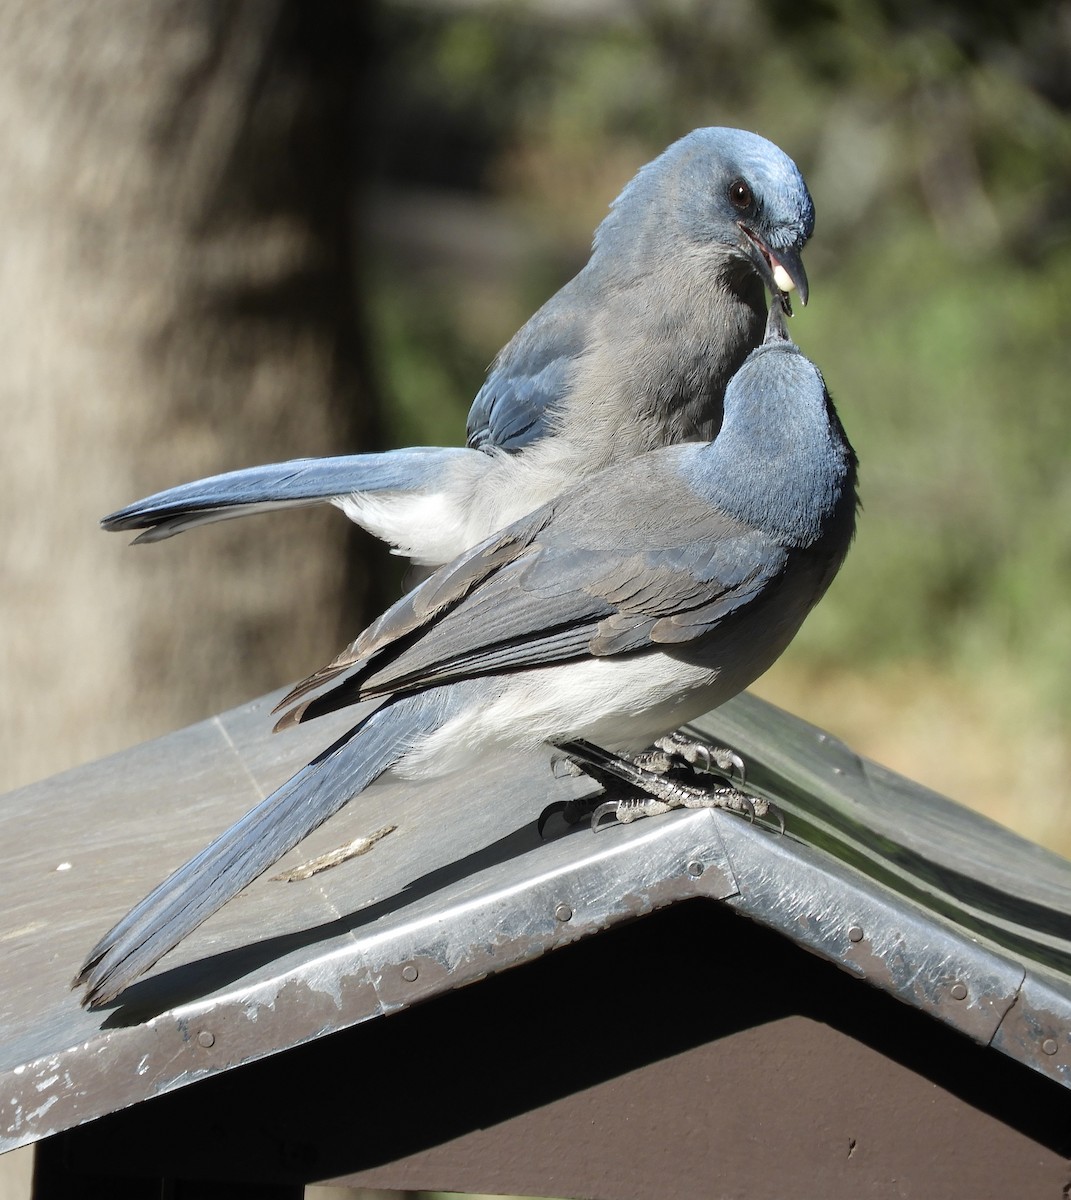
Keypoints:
pixel 895 944
pixel 486 923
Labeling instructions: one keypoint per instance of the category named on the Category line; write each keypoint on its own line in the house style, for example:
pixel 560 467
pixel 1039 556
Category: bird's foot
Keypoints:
pixel 664 795
pixel 655 783
pixel 677 749
pixel 571 812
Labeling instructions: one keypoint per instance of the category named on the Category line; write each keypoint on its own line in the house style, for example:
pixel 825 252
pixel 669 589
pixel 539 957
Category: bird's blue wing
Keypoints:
pixel 530 379
pixel 563 585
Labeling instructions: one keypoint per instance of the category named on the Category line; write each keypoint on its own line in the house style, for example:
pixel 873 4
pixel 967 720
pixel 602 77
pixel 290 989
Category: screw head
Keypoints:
pixel 206 1038
pixel 959 991
pixel 1050 1046
pixel 695 869
pixel 410 973
pixel 563 912
pixel 855 934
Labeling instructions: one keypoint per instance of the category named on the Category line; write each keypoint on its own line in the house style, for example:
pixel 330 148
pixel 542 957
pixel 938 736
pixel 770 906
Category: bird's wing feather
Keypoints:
pixel 408 616
pixel 530 378
pixel 562 586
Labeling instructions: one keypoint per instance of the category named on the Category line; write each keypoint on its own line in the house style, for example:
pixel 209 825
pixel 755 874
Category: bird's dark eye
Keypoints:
pixel 740 195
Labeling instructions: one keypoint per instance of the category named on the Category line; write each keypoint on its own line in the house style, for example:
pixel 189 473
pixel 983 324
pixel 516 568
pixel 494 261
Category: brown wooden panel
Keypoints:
pixel 690 1053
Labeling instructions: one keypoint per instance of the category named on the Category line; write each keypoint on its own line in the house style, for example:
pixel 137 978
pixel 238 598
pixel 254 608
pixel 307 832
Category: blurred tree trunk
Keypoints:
pixel 177 299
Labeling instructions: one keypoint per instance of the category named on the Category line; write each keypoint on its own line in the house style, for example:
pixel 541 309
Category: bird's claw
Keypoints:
pixel 680 748
pixel 625 810
pixel 677 795
pixel 611 809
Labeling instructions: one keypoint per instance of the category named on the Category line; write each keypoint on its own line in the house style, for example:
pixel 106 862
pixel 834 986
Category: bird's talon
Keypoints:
pixel 611 808
pixel 773 813
pixel 565 768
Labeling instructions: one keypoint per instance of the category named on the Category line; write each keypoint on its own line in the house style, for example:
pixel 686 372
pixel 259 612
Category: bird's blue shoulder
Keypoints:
pixel 513 409
pixel 530 379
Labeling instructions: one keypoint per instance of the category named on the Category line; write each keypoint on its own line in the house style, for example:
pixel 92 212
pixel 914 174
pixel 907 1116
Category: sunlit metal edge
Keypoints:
pixel 504 916
pixel 890 942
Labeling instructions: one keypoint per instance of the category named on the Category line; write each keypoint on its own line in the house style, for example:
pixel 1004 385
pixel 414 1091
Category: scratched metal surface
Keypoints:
pixel 1006 891
pixel 907 890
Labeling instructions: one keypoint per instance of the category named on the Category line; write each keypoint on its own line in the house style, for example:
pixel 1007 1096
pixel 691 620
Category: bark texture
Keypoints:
pixel 176 298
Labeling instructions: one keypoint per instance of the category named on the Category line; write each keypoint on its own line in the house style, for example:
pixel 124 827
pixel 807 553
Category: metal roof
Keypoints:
pixel 919 896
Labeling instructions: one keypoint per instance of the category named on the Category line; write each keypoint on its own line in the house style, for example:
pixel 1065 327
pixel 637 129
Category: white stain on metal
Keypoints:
pixel 38 1113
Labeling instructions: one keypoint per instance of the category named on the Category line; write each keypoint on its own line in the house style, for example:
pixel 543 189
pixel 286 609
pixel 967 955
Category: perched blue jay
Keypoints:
pixel 632 354
pixel 631 602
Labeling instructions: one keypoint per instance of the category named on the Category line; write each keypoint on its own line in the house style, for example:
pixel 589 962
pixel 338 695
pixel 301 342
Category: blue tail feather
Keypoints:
pixel 293 484
pixel 248 848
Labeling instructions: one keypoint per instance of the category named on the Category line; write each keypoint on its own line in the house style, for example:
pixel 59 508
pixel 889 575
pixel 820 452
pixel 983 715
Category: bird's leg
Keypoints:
pixel 572 812
pixel 619 777
pixel 660 790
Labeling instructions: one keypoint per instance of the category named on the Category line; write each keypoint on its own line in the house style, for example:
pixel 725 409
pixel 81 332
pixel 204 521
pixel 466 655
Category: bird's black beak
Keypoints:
pixel 791 271
pixel 783 269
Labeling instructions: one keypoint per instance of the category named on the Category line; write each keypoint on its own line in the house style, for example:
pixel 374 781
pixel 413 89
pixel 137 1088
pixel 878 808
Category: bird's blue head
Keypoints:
pixel 730 188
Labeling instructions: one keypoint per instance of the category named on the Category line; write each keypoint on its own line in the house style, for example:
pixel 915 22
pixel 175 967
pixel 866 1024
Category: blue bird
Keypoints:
pixel 629 604
pixel 632 354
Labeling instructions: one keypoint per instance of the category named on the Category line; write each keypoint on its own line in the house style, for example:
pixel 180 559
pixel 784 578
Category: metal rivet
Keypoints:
pixel 695 869
pixel 410 973
pixel 1050 1045
pixel 206 1038
pixel 563 912
pixel 959 991
pixel 855 934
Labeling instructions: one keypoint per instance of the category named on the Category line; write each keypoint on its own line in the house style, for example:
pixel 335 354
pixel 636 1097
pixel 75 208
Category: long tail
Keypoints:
pixel 239 855
pixel 293 484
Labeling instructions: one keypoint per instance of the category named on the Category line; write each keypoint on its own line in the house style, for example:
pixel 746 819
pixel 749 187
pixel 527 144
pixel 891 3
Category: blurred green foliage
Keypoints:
pixel 936 141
